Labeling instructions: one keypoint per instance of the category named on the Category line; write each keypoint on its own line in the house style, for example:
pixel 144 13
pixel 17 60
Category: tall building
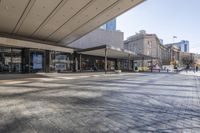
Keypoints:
pixel 148 44
pixel 106 34
pixel 183 45
pixel 99 37
pixel 111 25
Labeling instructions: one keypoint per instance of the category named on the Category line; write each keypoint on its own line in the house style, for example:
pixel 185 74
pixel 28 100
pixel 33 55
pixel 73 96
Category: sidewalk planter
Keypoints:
pixel 118 71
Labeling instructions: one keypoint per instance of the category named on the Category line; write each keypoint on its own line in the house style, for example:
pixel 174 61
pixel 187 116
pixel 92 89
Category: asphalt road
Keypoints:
pixel 133 103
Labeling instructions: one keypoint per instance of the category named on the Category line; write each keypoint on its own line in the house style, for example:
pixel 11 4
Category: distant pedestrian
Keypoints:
pixel 197 68
pixel 187 68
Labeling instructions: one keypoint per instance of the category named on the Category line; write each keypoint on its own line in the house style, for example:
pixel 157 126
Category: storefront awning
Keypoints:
pixel 112 52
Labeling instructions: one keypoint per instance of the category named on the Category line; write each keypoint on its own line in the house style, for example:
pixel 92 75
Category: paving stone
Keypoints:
pixel 134 103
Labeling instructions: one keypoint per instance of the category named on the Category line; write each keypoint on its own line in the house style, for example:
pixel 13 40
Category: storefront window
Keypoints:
pixel 62 62
pixel 16 60
pixel 95 63
pixel 10 60
pixel 111 65
pixel 36 61
pixel 52 62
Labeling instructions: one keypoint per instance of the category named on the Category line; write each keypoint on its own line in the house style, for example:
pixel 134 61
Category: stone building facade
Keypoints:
pixel 150 45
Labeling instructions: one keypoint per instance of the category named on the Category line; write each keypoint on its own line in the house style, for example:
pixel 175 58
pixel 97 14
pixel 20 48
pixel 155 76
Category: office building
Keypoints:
pixel 183 45
pixel 99 37
pixel 111 25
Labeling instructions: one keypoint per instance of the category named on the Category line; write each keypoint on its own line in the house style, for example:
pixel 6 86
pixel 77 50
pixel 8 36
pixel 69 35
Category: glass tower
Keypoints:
pixel 111 25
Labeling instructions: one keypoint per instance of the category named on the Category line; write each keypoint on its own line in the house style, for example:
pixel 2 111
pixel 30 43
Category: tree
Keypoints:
pixel 187 61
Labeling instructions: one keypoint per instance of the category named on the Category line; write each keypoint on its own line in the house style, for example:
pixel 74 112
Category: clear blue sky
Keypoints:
pixel 166 18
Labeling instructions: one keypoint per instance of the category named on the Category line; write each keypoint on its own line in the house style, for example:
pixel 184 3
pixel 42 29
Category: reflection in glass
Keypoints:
pixel 10 60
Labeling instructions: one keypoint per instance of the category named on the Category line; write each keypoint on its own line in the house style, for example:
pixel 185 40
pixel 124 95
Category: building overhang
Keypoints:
pixel 58 21
pixel 112 52
pixel 10 42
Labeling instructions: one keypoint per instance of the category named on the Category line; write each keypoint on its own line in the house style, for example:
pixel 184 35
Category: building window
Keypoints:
pixel 185 48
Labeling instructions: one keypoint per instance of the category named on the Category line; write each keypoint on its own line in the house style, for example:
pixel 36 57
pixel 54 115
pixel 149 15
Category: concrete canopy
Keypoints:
pixel 10 42
pixel 58 21
pixel 112 52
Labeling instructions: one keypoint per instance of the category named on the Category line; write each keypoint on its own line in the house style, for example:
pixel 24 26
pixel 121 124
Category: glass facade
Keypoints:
pixel 95 63
pixel 111 25
pixel 36 61
pixel 25 60
pixel 62 62
pixel 10 60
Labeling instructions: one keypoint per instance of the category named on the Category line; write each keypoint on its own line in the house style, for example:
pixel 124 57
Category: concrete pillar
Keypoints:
pixel 106 65
pixel 117 65
pixel 129 62
pixel 47 61
pixel 54 58
pixel 133 65
pixel 151 65
pixel 25 60
pixel 80 62
pixel 75 60
pixel 142 63
pixel 11 67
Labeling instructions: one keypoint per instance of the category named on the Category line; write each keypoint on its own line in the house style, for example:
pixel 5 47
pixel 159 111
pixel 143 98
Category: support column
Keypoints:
pixel 129 62
pixel 151 65
pixel 80 62
pixel 105 67
pixel 133 64
pixel 142 63
pixel 47 61
pixel 54 58
pixel 75 64
pixel 25 60
pixel 116 64
pixel 11 68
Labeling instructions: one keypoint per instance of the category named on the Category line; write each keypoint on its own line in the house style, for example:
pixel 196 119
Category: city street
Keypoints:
pixel 128 102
